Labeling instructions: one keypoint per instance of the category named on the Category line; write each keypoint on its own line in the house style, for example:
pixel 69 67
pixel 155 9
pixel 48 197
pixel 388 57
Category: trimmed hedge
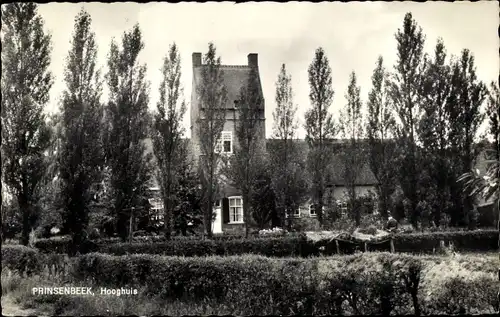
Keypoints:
pixel 62 245
pixel 377 283
pixel 280 247
pixel 479 240
pixel 21 259
pixel 256 284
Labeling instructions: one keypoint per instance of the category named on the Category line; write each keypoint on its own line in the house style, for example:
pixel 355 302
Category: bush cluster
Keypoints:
pixel 21 259
pixel 380 283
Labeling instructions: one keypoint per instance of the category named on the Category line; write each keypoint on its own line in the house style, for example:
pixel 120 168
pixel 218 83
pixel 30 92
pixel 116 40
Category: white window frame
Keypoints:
pixel 342 205
pixel 224 136
pixel 296 213
pixel 233 209
pixel 312 210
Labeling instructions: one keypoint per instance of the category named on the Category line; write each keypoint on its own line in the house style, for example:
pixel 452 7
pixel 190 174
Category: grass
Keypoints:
pixel 480 267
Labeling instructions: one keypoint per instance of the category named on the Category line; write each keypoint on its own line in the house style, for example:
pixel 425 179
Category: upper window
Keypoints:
pixel 235 210
pixel 225 143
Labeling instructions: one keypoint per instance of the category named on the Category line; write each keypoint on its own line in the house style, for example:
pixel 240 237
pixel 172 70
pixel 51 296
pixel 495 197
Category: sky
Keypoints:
pixel 353 35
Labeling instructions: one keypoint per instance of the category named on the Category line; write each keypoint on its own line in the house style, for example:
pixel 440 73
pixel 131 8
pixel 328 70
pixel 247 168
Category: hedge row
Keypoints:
pixel 362 284
pixel 480 240
pixel 62 245
pixel 21 259
pixel 477 240
pixel 279 247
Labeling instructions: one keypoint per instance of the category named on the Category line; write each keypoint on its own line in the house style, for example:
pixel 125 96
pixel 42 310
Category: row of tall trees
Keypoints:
pixel 93 153
pixel 418 135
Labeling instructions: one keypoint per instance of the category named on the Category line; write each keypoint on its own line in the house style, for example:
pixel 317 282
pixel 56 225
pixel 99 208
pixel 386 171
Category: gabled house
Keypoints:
pixel 229 205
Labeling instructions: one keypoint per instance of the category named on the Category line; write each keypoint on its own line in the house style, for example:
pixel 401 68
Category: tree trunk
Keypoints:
pixel 25 210
pixel 246 212
pixel 209 209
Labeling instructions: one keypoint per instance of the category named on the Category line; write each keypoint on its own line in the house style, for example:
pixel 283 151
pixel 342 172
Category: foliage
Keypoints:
pixel 26 81
pixel 405 97
pixel 319 125
pixel 360 284
pixel 263 199
pixel 434 134
pixel 188 208
pixel 127 117
pixel 286 165
pixel 249 150
pixel 351 129
pixel 493 113
pixel 380 129
pixel 81 153
pixel 21 259
pixel 466 98
pixel 212 97
pixel 286 246
pixel 168 131
pixel 479 240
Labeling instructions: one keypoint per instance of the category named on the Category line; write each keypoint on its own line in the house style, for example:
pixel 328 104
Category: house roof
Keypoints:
pixel 365 177
pixel 235 77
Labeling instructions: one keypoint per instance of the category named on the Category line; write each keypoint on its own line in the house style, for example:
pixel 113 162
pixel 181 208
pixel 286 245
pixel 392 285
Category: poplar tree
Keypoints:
pixel 213 98
pixel 167 133
pixel 320 128
pixel 464 108
pixel 81 155
pixel 405 92
pixel 127 118
pixel 287 170
pixel 249 149
pixel 26 81
pixel 351 129
pixel 380 132
pixel 433 130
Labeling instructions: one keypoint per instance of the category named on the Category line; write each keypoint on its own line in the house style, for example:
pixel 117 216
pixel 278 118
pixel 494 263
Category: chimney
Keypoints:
pixel 253 60
pixel 196 59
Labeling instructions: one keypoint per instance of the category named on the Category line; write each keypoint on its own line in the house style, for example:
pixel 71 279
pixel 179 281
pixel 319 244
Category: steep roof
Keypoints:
pixel 235 77
pixel 365 177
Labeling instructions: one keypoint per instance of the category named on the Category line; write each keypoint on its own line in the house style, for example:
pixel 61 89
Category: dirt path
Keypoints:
pixel 10 308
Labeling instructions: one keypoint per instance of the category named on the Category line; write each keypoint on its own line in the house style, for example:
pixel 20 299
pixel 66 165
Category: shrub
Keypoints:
pixel 260 285
pixel 21 259
pixel 453 289
pixel 62 244
pixel 478 240
pixel 280 247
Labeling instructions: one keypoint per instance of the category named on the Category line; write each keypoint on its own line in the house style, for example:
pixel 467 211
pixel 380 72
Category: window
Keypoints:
pixel 225 143
pixel 295 214
pixel 235 210
pixel 156 208
pixel 312 210
pixel 343 207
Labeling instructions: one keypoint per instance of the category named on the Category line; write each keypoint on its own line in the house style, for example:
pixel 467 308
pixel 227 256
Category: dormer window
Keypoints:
pixel 236 104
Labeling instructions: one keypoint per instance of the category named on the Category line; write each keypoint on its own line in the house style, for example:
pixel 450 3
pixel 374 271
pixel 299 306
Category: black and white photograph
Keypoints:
pixel 252 158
